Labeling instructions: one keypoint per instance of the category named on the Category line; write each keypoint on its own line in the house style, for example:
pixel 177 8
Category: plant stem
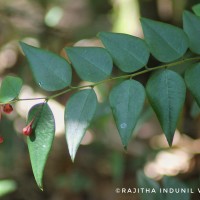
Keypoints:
pixel 126 76
pixel 26 99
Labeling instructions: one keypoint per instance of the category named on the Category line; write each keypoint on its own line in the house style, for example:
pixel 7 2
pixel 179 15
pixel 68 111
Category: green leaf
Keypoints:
pixel 147 183
pixel 126 101
pixel 50 71
pixel 196 9
pixel 173 184
pixel 191 25
pixel 128 52
pixel 166 42
pixel 10 88
pixel 91 63
pixel 193 81
pixel 79 111
pixel 41 139
pixel 166 93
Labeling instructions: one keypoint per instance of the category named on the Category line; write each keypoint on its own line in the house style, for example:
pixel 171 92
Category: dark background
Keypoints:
pixel 101 164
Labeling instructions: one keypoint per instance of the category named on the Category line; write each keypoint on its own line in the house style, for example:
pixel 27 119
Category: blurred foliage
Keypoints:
pixel 101 164
pixel 7 186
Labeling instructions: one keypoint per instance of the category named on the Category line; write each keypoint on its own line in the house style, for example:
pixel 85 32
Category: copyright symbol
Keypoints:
pixel 117 190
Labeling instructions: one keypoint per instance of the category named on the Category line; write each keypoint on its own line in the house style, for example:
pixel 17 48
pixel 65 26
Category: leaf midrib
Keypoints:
pixel 169 115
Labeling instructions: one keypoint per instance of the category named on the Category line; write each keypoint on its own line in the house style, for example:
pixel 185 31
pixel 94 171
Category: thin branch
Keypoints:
pixel 72 88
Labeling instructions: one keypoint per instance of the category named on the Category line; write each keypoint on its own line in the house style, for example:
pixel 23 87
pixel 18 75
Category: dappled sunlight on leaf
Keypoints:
pixel 79 112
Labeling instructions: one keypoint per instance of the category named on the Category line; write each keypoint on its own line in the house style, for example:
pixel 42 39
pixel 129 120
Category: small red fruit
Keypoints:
pixel 7 108
pixel 28 129
pixel 1 139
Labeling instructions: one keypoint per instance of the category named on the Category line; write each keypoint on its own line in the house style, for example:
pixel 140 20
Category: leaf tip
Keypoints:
pixel 41 188
pixel 125 148
pixel 72 156
pixel 170 141
pixel 40 185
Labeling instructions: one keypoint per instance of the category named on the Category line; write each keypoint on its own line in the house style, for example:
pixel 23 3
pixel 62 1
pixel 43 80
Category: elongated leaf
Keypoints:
pixel 10 88
pixel 166 93
pixel 193 81
pixel 126 102
pixel 147 183
pixel 91 63
pixel 166 42
pixel 50 71
pixel 128 52
pixel 79 112
pixel 175 189
pixel 41 139
pixel 191 25
pixel 196 9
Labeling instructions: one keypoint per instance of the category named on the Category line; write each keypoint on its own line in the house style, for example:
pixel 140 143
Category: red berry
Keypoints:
pixel 28 129
pixel 1 139
pixel 7 108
